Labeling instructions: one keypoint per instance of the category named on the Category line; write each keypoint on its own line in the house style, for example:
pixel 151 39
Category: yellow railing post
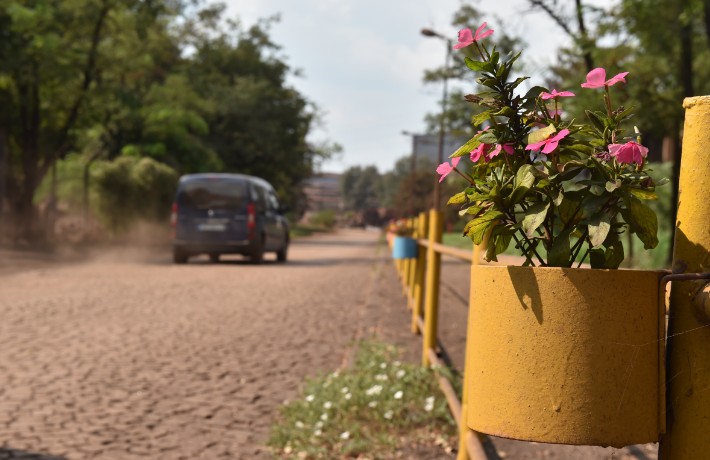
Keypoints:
pixel 413 265
pixel 418 291
pixel 431 292
pixel 688 340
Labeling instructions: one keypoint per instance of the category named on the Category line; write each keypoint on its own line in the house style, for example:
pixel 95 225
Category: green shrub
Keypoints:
pixel 130 189
pixel 324 219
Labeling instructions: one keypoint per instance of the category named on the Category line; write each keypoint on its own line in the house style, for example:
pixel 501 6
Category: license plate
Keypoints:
pixel 212 227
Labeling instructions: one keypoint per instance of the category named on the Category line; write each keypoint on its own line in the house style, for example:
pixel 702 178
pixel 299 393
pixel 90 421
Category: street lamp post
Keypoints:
pixel 442 127
pixel 413 166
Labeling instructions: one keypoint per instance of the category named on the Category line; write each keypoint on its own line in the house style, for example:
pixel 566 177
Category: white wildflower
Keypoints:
pixel 327 405
pixel 400 373
pixel 345 390
pixel 324 417
pixel 374 390
pixel 372 404
pixel 381 377
pixel 429 404
pixel 288 449
pixel 318 432
pixel 388 414
pixel 345 435
pixel 348 396
pixel 398 395
pixel 310 398
pixel 299 424
pixel 383 365
pixel 319 424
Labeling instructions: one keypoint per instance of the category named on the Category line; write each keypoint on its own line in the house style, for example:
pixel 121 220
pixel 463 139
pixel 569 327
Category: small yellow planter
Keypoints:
pixel 569 356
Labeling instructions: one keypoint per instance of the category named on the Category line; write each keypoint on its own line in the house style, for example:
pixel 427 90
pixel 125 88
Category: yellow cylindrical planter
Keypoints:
pixel 569 356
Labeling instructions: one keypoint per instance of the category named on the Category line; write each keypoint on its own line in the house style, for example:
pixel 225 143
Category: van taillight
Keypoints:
pixel 173 215
pixel 251 216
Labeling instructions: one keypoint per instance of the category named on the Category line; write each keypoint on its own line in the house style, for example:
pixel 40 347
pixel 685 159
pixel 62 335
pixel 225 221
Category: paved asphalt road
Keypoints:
pixel 127 356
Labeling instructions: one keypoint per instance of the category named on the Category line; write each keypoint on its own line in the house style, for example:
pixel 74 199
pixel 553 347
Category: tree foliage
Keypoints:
pixel 170 80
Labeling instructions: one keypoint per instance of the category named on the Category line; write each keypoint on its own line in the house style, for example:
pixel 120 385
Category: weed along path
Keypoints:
pixel 127 356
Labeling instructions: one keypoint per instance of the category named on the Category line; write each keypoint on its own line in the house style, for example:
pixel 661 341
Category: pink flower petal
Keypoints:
pixel 566 94
pixel 536 145
pixel 455 161
pixel 546 96
pixel 595 78
pixel 494 153
pixel 478 153
pixel 444 169
pixel 617 78
pixel 465 39
pixel 480 34
pixel 508 148
pixel 560 135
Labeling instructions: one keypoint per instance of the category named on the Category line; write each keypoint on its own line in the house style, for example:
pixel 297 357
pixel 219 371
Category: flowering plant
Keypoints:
pixel 560 190
pixel 400 228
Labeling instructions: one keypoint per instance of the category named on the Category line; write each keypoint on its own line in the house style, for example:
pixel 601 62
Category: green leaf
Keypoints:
pixel 487 137
pixel 459 198
pixel 524 179
pixel 478 66
pixel 614 255
pixel 466 148
pixel 611 186
pixel 559 253
pixel 599 227
pixel 473 210
pixel 643 194
pixel 498 245
pixel 532 95
pixel 534 217
pixel 476 228
pixel 597 190
pixel 541 134
pixel 480 118
pixel 596 120
pixel 642 220
pixel 569 211
pixel 597 258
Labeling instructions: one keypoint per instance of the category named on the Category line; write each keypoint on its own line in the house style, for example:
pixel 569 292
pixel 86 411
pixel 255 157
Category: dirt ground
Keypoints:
pixel 119 354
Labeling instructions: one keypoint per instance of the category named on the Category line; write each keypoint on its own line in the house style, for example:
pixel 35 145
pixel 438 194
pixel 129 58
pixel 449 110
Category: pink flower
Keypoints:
pixel 554 94
pixel 596 77
pixel 466 37
pixel 479 152
pixel 554 112
pixel 508 148
pixel 549 144
pixel 628 153
pixel 445 168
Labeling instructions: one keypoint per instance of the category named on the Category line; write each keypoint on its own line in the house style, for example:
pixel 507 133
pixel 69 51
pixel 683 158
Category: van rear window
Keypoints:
pixel 213 194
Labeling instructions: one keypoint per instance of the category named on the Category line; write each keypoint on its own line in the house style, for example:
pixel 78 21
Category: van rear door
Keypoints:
pixel 212 210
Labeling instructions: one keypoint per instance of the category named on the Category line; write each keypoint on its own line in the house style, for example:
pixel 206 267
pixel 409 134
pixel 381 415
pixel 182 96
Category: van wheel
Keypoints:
pixel 282 255
pixel 179 256
pixel 256 254
pixel 214 258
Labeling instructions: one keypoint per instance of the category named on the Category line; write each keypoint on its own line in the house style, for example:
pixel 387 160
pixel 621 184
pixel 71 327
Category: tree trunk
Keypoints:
pixel 584 42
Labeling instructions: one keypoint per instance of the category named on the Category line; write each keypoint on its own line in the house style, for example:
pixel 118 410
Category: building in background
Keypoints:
pixel 425 148
pixel 323 193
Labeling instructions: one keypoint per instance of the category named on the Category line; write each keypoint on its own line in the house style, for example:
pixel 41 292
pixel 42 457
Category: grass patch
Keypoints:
pixel 307 230
pixel 370 409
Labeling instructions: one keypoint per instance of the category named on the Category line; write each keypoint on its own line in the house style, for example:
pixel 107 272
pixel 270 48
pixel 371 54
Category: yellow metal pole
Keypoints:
pixel 418 293
pixel 431 304
pixel 412 266
pixel 688 340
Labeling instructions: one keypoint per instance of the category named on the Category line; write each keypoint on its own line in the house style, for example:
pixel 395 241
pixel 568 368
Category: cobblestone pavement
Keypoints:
pixel 121 359
pixel 129 356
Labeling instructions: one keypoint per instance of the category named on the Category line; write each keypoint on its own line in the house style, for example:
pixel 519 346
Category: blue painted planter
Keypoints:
pixel 404 247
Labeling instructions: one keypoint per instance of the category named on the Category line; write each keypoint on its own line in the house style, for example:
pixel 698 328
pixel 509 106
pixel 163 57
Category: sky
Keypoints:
pixel 363 61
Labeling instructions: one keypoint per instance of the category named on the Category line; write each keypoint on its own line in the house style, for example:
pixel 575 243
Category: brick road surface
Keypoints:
pixel 127 356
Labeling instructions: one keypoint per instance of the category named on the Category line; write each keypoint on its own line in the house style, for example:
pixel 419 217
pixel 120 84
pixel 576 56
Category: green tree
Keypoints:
pixel 362 188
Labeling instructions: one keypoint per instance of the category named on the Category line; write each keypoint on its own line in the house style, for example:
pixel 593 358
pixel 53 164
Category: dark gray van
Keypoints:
pixel 217 214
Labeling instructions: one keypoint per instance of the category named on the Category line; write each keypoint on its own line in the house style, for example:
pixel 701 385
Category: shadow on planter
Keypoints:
pixel 589 374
